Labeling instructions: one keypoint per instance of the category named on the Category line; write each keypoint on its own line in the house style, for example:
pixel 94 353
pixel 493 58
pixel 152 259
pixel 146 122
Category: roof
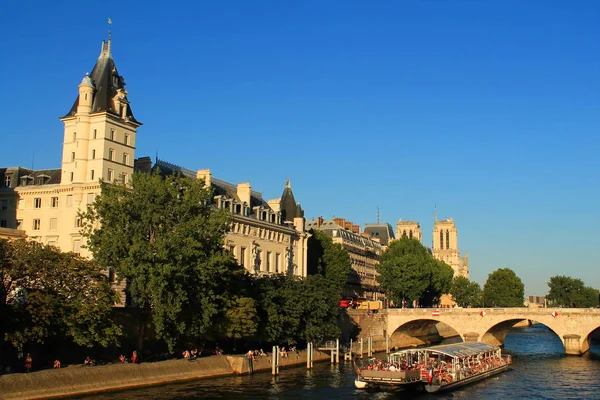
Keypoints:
pixel 106 81
pixel 289 208
pixel 464 349
pixel 335 230
pixel 33 177
pixel 382 230
pixel 220 187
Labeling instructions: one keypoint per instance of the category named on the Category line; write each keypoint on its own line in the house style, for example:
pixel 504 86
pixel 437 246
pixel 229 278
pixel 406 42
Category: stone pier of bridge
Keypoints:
pixel 406 327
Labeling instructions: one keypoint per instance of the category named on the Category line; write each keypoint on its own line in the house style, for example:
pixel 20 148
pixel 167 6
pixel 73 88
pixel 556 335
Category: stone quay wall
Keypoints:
pixel 79 379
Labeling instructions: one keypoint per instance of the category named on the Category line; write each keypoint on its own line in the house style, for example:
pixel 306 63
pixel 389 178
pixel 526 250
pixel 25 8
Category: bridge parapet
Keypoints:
pixel 572 325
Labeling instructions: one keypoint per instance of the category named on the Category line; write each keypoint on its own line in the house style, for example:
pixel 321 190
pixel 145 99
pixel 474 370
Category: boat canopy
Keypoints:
pixel 464 349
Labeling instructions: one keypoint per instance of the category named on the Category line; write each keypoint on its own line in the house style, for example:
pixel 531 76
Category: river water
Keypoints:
pixel 540 370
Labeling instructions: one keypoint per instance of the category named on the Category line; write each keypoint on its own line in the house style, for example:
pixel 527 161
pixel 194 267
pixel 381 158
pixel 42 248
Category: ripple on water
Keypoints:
pixel 540 370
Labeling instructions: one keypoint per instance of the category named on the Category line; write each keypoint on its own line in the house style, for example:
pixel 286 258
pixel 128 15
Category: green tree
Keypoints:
pixel 465 292
pixel 408 272
pixel 46 293
pixel 320 310
pixel 163 236
pixel 570 292
pixel 328 259
pixel 439 276
pixel 503 288
pixel 280 308
pixel 240 318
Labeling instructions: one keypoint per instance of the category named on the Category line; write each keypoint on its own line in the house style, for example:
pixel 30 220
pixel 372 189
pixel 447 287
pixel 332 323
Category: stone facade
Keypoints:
pixel 265 237
pixel 410 229
pixel 98 143
pixel 445 247
pixel 364 255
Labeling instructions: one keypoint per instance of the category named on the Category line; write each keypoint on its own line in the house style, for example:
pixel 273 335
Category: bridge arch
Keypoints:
pixel 586 339
pixel 422 331
pixel 572 326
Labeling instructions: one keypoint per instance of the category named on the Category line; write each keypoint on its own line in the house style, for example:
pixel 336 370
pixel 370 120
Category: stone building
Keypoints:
pixel 98 143
pixel 445 247
pixel 410 229
pixel 266 237
pixel 364 255
pixel 99 140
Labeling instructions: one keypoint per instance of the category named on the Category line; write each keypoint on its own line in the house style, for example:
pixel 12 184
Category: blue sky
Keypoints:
pixel 488 109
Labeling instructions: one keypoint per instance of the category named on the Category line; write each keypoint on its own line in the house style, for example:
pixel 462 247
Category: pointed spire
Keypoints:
pixel 287 183
pixel 86 81
pixel 105 51
pixel 435 213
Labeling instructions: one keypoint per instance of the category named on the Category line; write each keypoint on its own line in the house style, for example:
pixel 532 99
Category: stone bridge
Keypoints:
pixel 417 326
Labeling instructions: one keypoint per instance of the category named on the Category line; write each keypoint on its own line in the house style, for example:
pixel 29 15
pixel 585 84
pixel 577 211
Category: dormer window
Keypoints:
pixel 238 209
pixel 26 180
pixel 7 180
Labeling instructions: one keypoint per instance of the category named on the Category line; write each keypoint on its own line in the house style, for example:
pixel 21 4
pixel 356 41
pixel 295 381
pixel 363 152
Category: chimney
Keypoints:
pixel 319 221
pixel 205 175
pixel 243 192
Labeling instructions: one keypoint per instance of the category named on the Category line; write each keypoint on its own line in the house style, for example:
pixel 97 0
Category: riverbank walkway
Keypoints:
pixel 79 379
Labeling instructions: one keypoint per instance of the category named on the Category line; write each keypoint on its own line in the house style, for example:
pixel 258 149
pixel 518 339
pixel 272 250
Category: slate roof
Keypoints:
pixel 106 80
pixel 219 186
pixel 34 177
pixel 382 230
pixel 329 227
pixel 289 208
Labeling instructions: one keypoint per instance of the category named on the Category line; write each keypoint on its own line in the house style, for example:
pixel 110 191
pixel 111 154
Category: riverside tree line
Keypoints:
pixel 163 239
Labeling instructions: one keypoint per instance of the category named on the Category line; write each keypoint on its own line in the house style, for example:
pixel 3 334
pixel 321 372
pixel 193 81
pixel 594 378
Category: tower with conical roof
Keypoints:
pixel 100 129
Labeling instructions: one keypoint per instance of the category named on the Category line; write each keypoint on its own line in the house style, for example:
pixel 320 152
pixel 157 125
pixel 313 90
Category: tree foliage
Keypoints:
pixel 292 309
pixel 503 288
pixel 570 292
pixel 408 272
pixel 465 292
pixel 46 293
pixel 280 308
pixel 164 238
pixel 328 259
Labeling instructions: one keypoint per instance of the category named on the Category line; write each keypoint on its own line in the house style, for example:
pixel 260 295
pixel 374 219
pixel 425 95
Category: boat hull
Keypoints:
pixel 390 378
pixel 430 388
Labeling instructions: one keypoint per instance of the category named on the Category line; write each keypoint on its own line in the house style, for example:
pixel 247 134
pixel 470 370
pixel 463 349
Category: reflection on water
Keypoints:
pixel 540 371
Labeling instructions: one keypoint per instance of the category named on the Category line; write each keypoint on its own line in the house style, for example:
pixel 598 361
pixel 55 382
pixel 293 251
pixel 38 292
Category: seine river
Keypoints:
pixel 540 370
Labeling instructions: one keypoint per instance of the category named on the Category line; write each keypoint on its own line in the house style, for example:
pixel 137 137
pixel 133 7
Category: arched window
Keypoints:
pixel 441 240
pixel 410 234
pixel 447 239
pixel 404 233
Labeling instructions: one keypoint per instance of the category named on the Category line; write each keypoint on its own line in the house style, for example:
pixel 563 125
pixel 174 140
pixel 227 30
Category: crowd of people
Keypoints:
pixel 440 371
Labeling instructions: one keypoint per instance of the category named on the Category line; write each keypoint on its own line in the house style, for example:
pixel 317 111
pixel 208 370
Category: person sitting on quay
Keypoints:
pixel 28 362
pixel 89 361
pixel 122 359
pixel 262 353
pixel 134 357
pixel 186 354
pixel 56 364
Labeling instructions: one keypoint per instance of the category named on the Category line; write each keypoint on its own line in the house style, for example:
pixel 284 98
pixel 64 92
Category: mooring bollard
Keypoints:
pixel 275 361
pixel 387 344
pixel 361 347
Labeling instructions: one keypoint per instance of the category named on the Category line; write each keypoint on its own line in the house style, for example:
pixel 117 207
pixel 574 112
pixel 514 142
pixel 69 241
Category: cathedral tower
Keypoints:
pixel 445 246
